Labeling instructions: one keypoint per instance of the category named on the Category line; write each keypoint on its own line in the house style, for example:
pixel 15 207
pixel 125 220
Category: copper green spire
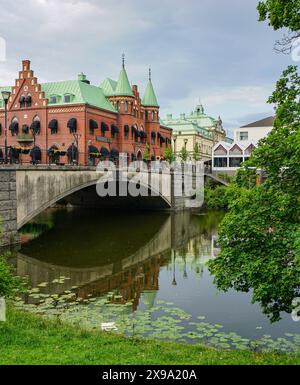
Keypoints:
pixel 150 97
pixel 123 87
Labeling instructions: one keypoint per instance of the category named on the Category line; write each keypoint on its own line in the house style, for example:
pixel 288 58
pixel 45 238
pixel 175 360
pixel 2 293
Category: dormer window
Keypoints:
pixel 53 99
pixel 68 98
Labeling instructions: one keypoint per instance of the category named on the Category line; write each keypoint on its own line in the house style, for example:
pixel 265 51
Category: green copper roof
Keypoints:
pixel 80 93
pixel 150 97
pixel 123 87
pixel 108 87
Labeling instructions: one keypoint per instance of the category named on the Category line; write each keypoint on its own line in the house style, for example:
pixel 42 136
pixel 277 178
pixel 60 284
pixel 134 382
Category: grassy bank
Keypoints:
pixel 29 339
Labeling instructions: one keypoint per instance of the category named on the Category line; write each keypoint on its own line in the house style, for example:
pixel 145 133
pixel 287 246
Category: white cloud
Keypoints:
pixel 254 95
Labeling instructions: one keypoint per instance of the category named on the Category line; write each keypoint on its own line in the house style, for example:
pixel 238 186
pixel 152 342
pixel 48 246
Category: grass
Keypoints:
pixel 30 339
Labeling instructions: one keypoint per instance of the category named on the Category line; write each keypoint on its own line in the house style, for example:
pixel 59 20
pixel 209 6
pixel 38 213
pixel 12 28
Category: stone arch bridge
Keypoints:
pixel 26 191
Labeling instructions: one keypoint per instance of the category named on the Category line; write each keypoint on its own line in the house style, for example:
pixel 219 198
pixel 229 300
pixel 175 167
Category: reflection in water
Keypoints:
pixel 137 261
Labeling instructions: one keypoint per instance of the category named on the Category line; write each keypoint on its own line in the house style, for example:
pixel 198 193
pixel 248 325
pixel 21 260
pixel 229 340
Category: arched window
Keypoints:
pixel 36 155
pixel 28 101
pixel 72 154
pixel 14 126
pixel 36 125
pixel 22 101
pixel 125 106
pixel 72 125
pixel 152 115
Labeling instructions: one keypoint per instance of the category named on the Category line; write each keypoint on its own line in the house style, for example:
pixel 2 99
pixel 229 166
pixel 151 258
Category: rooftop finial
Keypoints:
pixel 150 74
pixel 123 60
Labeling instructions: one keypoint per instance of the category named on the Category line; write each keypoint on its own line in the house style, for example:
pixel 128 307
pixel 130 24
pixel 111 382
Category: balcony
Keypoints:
pixel 25 138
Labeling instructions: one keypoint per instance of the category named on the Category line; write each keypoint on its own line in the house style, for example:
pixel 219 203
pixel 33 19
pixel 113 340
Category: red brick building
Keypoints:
pixel 74 121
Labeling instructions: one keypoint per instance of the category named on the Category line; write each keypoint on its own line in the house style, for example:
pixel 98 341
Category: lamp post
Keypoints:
pixel 76 138
pixel 175 139
pixel 5 96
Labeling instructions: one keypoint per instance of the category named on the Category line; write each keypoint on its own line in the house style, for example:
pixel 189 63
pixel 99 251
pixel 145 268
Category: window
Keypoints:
pixel 125 106
pixel 53 99
pixel 244 135
pixel 235 162
pixel 220 162
pixel 28 101
pixel 67 98
pixel 152 115
pixel 22 101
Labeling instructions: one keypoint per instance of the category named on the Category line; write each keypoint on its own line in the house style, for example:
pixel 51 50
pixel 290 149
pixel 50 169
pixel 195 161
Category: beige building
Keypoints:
pixel 194 129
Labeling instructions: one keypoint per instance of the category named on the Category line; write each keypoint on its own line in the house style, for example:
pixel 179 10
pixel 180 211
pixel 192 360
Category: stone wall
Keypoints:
pixel 8 206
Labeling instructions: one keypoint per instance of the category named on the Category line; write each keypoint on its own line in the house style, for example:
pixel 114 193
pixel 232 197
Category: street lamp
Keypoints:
pixel 174 139
pixel 76 138
pixel 185 142
pixel 6 96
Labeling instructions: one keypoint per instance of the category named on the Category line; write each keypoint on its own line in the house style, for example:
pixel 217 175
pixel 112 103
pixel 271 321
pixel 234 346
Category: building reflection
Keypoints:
pixel 179 246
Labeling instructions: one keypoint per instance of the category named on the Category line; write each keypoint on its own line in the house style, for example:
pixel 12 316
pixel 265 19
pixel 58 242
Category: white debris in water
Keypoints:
pixel 108 326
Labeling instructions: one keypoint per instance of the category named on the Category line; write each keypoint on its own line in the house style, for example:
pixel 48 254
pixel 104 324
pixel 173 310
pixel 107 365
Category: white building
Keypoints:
pixel 227 157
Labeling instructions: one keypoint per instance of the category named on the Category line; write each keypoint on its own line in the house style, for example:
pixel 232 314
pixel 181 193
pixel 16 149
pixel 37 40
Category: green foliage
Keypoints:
pixel 197 153
pixel 183 155
pixel 259 236
pixel 9 284
pixel 147 152
pixel 280 13
pixel 216 197
pixel 29 339
pixel 169 155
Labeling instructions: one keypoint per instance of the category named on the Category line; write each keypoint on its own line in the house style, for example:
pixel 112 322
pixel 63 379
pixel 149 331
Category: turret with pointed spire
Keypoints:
pixel 150 97
pixel 123 86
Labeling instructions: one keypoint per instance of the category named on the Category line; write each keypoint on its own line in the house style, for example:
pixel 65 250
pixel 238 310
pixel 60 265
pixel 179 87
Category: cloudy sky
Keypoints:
pixel 214 50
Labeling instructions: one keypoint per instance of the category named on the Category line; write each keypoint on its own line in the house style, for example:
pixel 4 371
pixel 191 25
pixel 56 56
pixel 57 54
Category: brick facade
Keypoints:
pixel 135 115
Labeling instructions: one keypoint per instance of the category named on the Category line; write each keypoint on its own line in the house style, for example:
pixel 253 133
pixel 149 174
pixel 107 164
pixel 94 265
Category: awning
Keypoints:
pixel 35 126
pixel 28 99
pixel 162 140
pixel 134 130
pixel 36 153
pixel 126 128
pixel 53 125
pixel 143 134
pixel 153 134
pixel 52 149
pixel 159 135
pixel 72 125
pixel 22 99
pixel 114 129
pixel 104 127
pixel 104 151
pixel 93 125
pixel 114 153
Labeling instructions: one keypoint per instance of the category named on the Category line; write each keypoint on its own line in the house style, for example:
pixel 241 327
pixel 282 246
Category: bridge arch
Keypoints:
pixel 30 183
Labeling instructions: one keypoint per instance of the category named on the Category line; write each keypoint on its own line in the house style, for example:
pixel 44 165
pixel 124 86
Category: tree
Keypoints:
pixel 169 155
pixel 259 236
pixel 282 14
pixel 197 153
pixel 183 155
pixel 146 153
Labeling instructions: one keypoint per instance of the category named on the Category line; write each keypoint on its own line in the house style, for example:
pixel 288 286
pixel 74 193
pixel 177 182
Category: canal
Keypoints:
pixel 146 272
